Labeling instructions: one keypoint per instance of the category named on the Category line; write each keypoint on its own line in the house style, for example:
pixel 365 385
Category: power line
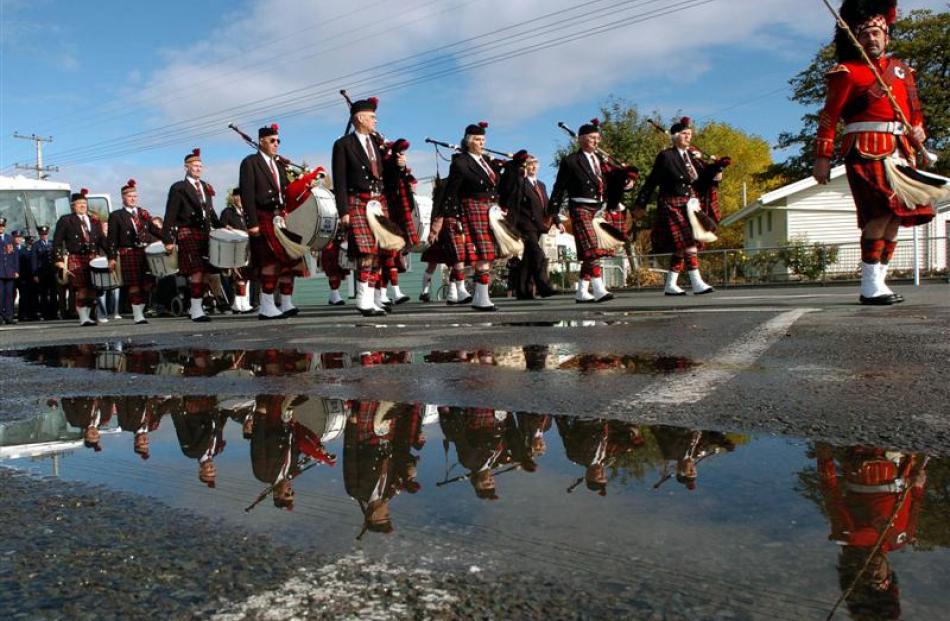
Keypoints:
pixel 158 137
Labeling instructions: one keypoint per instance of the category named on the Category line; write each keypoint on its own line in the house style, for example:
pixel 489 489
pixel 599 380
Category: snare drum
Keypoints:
pixel 315 220
pixel 101 276
pixel 228 248
pixel 160 263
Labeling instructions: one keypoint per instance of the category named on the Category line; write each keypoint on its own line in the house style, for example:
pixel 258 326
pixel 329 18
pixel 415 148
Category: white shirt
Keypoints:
pixel 370 153
pixel 594 163
pixel 195 183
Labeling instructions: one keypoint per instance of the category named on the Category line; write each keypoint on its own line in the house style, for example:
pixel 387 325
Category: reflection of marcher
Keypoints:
pixel 597 444
pixel 870 496
pixel 200 429
pixel 368 462
pixel 687 447
pixel 137 415
pixel 88 414
pixel 527 438
pixel 481 443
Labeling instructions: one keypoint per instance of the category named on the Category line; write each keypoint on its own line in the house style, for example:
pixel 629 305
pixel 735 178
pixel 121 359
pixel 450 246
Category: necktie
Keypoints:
pixel 201 194
pixel 135 224
pixel 689 167
pixel 371 154
pixel 487 169
pixel 85 227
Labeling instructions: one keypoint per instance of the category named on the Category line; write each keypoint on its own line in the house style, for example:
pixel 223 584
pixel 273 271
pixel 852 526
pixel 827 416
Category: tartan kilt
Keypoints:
pixel 671 230
pixel 360 235
pixel 390 259
pixel 873 196
pixel 477 227
pixel 78 266
pixel 266 249
pixel 133 265
pixel 451 247
pixel 582 219
pixel 400 203
pixel 192 251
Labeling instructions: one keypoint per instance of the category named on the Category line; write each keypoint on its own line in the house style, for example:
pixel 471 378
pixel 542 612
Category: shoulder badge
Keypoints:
pixel 838 69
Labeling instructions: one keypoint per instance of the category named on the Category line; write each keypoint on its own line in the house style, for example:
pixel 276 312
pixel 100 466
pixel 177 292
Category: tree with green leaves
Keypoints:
pixel 922 40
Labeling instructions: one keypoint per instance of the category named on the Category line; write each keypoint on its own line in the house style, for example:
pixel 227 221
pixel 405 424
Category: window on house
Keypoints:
pixel 751 224
pixel 759 225
pixel 768 221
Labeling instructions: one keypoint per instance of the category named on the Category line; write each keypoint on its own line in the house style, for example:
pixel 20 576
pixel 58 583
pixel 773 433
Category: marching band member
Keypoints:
pixel 473 181
pixel 448 246
pixel 199 426
pixel 400 197
pixel 330 262
pixel 78 239
pixel 680 176
pixel 263 183
pixel 189 218
pixel 130 230
pixel 357 180
pixel 580 178
pixel 597 445
pixel 233 217
pixel 527 210
pixel 875 141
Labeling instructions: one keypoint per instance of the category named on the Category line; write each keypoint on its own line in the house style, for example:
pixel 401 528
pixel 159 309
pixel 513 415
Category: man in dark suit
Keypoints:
pixel 527 212
pixel 26 291
pixel 680 176
pixel 9 270
pixel 41 260
pixel 580 179
pixel 77 240
pixel 130 230
pixel 189 217
pixel 263 183
pixel 358 179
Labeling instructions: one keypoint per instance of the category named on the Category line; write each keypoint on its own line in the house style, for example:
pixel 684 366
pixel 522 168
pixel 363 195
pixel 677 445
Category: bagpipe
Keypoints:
pixel 508 242
pixel 618 178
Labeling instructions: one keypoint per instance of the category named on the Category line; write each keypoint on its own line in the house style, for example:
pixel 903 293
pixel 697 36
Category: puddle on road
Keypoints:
pixel 124 358
pixel 761 527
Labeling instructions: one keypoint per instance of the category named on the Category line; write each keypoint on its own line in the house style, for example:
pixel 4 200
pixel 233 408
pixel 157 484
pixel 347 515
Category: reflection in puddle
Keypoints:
pixel 123 358
pixel 549 491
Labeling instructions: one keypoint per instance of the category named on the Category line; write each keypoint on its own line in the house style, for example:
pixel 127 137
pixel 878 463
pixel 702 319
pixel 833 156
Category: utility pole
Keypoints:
pixel 40 170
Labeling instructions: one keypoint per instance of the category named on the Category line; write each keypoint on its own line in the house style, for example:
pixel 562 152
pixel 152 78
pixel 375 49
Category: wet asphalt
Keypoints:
pixel 803 362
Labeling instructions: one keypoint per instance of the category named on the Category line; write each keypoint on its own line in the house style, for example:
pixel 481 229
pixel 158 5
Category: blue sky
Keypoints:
pixel 122 87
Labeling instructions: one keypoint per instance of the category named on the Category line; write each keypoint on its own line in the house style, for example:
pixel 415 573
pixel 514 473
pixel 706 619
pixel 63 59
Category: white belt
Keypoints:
pixel 586 201
pixel 889 127
pixel 895 487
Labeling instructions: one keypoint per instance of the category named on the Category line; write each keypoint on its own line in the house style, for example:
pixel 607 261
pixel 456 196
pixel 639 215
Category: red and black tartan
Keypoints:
pixel 401 202
pixel 482 419
pixel 451 247
pixel 192 251
pixel 266 249
pixel 365 413
pixel 478 228
pixel 873 196
pixel 78 266
pixel 582 220
pixel 360 235
pixel 330 260
pixel 133 265
pixel 671 230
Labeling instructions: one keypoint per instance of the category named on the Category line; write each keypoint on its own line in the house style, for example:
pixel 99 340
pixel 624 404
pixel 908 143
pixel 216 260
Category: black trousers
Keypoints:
pixel 533 271
pixel 46 296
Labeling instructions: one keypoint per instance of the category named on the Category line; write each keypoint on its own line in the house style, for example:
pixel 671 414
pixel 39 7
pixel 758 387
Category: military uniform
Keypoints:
pixel 26 289
pixel 44 276
pixel 9 268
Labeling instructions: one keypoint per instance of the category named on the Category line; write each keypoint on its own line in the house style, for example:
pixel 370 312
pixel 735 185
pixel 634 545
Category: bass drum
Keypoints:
pixel 422 228
pixel 324 417
pixel 315 220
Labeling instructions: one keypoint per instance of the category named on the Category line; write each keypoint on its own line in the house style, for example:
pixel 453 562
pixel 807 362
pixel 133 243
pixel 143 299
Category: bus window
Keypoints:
pixel 46 207
pixel 99 206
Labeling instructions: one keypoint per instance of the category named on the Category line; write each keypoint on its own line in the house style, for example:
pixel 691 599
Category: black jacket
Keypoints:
pixel 122 233
pixel 352 172
pixel 670 176
pixel 528 207
pixel 576 179
pixel 233 218
pixel 468 180
pixel 258 190
pixel 184 208
pixel 69 236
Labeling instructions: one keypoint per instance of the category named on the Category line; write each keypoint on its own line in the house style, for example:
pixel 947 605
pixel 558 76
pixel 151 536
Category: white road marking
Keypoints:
pixel 727 363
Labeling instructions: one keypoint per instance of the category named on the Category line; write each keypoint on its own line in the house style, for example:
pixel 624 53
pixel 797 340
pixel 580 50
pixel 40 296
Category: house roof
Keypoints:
pixel 776 195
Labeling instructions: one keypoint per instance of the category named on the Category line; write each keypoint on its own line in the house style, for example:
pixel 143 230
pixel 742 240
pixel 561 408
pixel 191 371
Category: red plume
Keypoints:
pixel 130 183
pixel 686 121
pixel 274 127
pixel 196 152
pixel 483 124
pixel 891 15
pixel 373 100
pixel 595 122
pixel 84 191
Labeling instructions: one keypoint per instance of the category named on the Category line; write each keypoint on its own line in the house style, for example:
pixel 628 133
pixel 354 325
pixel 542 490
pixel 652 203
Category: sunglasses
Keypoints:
pixel 273 140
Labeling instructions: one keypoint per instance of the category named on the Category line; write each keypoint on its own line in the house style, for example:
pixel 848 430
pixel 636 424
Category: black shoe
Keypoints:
pixel 401 300
pixel 467 300
pixel 604 298
pixel 705 291
pixel 898 298
pixel 141 322
pixel 674 294
pixel 202 319
pixel 88 323
pixel 425 297
pixel 451 303
pixel 372 312
pixel 546 293
pixel 269 318
pixel 584 301
pixel 291 313
pixel 387 308
pixel 337 303
pixel 486 309
pixel 879 300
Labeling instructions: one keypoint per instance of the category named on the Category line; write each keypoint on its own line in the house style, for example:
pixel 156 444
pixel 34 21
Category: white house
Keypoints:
pixel 826 214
